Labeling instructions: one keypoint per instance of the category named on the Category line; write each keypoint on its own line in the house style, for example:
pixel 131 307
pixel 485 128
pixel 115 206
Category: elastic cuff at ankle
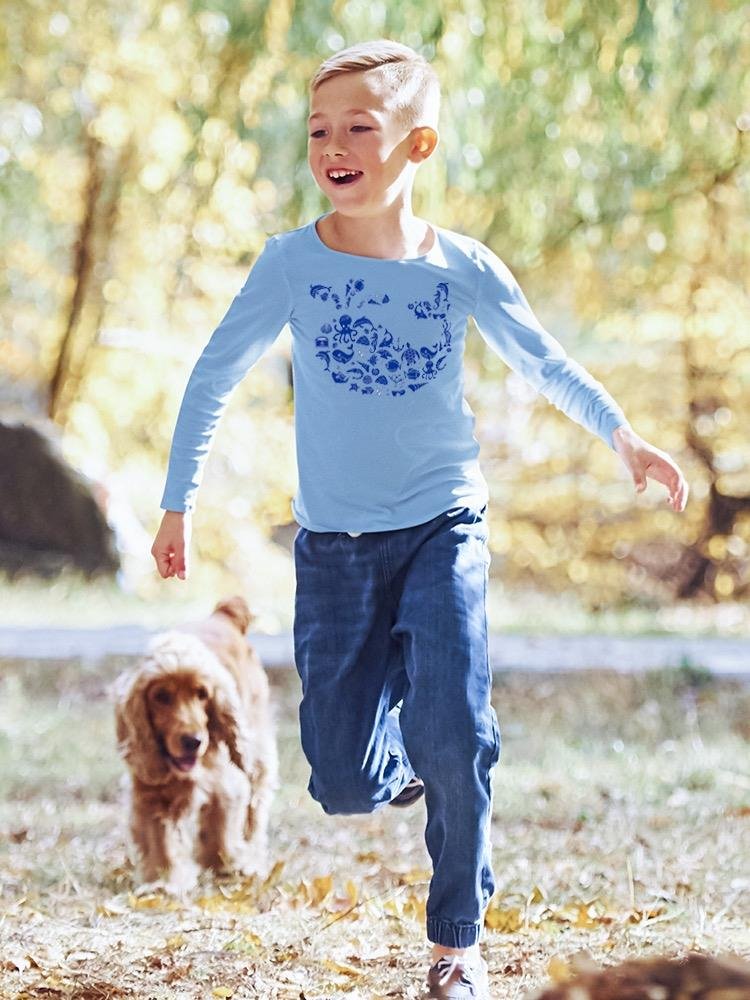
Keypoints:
pixel 452 935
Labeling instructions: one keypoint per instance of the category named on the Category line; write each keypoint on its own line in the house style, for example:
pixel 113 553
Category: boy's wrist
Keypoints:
pixel 623 433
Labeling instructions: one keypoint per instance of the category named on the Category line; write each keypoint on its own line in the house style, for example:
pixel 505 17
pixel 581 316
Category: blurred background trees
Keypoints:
pixel 147 151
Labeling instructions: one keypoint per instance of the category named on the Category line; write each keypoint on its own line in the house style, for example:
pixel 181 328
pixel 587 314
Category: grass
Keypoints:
pixel 155 603
pixel 621 826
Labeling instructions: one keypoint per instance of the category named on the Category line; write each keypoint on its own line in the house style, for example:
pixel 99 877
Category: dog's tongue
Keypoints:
pixel 185 763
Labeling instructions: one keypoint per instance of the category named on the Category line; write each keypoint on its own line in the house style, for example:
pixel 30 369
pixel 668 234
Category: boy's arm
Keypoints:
pixel 644 460
pixel 506 321
pixel 253 321
pixel 171 548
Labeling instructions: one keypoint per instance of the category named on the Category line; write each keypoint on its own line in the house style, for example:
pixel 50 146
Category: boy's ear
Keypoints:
pixel 424 141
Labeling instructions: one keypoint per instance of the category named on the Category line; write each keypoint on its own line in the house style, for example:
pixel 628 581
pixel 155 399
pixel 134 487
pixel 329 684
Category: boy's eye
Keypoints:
pixel 320 131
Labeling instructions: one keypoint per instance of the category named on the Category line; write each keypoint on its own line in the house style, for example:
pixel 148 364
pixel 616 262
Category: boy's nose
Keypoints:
pixel 335 144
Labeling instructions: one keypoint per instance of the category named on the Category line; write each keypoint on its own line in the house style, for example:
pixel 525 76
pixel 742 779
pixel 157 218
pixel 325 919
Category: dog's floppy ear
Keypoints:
pixel 236 608
pixel 137 743
pixel 226 723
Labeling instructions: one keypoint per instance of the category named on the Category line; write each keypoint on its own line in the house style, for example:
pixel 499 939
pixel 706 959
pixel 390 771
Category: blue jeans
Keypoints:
pixel 390 636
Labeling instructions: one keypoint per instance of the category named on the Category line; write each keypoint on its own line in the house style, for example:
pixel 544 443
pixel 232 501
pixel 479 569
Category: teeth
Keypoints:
pixel 342 173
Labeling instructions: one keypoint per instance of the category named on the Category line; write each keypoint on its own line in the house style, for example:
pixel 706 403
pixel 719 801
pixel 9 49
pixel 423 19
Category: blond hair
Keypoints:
pixel 413 84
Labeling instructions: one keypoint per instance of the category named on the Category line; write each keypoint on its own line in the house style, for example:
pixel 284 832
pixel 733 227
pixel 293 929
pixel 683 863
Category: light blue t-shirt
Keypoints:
pixel 384 436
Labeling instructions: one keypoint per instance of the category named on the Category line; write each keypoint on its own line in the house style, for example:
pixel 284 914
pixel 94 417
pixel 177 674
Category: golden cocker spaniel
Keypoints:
pixel 692 977
pixel 195 727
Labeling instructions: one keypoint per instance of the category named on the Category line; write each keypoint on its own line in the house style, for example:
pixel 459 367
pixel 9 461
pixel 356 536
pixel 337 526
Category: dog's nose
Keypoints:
pixel 190 743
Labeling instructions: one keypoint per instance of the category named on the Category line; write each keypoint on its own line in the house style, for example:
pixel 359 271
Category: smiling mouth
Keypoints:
pixel 342 177
pixel 185 763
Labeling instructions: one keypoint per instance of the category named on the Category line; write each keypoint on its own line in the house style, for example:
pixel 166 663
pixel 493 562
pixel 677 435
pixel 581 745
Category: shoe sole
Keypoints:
pixel 404 799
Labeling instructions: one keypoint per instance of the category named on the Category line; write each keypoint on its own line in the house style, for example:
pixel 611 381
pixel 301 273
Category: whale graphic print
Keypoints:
pixel 365 356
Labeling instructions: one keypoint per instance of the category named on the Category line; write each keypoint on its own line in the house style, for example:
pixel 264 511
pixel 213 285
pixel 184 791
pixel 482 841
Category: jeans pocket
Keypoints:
pixel 472 515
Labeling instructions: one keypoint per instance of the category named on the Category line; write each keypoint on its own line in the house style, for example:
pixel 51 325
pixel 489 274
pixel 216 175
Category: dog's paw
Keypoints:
pixel 175 883
pixel 244 865
pixel 257 865
pixel 156 887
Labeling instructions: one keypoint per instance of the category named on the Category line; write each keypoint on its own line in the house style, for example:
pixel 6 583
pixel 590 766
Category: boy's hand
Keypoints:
pixel 642 460
pixel 171 547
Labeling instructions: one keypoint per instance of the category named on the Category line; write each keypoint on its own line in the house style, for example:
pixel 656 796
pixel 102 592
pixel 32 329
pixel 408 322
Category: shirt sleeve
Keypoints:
pixel 253 321
pixel 506 322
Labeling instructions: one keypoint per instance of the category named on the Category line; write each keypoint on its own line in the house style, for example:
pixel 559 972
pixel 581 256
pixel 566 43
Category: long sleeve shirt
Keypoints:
pixel 384 436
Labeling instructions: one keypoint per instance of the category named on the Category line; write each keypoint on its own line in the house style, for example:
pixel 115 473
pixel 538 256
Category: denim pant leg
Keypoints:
pixel 351 671
pixel 449 727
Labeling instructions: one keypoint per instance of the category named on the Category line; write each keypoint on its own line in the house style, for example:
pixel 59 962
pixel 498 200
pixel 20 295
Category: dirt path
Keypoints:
pixel 727 657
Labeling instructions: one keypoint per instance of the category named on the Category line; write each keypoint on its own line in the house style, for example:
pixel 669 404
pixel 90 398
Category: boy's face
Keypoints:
pixel 352 127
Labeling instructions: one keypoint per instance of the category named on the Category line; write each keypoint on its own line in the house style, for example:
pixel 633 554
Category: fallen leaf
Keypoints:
pixel 346 970
pixel 642 916
pixel 506 919
pixel 152 901
pixel 112 908
pixel 246 944
pixel 19 962
pixel 559 970
pixel 415 907
pixel 586 916
pixel 538 895
pixel 368 856
pixel 352 892
pixel 414 875
pixel 321 887
pixel 273 875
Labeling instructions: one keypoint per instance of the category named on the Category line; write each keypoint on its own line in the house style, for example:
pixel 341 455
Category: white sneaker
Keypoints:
pixel 457 977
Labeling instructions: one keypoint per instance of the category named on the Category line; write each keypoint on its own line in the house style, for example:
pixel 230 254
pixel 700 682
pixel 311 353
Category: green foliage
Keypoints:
pixel 601 150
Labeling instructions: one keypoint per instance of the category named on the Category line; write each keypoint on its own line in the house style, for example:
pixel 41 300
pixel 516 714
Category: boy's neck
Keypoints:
pixel 398 234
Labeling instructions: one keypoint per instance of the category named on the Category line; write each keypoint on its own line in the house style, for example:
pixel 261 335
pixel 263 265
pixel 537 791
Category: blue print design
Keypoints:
pixel 366 356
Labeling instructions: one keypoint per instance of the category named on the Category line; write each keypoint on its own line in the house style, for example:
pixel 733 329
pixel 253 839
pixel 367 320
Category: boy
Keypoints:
pixel 391 555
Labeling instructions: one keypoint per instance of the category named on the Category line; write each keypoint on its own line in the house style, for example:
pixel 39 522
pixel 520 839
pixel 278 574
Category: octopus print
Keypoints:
pixel 365 356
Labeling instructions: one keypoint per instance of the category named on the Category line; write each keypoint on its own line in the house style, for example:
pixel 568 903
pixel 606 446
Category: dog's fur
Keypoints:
pixel 694 977
pixel 195 727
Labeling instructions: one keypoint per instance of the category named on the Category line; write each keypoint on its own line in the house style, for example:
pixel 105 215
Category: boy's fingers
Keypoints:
pixel 168 562
pixel 180 564
pixel 665 471
pixel 162 562
pixel 170 550
pixel 680 495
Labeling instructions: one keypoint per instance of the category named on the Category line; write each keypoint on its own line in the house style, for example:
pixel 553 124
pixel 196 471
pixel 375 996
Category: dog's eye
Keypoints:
pixel 163 697
pixel 202 693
